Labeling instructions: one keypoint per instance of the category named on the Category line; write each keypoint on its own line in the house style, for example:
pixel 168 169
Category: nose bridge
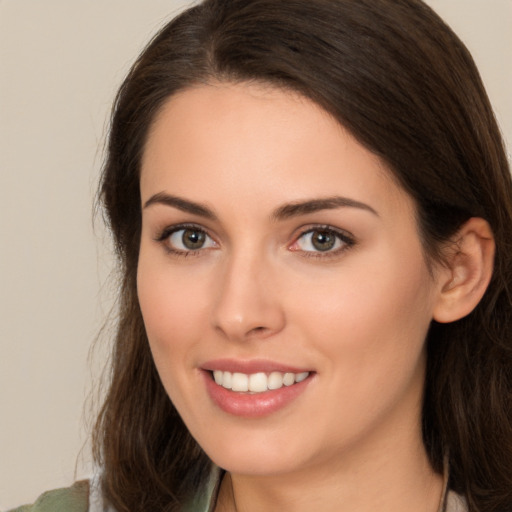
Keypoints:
pixel 247 302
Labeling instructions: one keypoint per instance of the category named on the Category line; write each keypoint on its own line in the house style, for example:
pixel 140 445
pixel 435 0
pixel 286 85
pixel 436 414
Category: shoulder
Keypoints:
pixel 70 499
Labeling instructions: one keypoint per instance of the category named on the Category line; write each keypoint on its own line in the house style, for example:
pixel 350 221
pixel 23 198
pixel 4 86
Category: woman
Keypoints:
pixel 311 205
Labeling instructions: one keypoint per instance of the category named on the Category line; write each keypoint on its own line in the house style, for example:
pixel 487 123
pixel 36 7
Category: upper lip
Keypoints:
pixel 250 366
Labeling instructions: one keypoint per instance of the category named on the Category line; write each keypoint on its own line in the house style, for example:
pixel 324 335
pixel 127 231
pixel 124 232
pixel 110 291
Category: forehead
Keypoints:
pixel 258 141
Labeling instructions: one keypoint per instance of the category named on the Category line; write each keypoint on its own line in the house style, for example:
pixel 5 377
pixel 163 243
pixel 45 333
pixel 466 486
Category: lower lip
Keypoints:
pixel 253 405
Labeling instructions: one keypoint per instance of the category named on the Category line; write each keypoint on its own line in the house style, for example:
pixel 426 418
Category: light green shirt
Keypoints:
pixel 76 499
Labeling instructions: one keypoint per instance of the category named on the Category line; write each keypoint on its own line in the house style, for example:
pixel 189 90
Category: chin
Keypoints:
pixel 255 464
pixel 253 455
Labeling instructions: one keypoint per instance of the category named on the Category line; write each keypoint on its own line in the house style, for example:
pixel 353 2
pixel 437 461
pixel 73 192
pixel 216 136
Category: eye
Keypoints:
pixel 322 240
pixel 187 239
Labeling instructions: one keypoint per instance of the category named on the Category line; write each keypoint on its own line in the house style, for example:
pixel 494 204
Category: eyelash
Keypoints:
pixel 170 230
pixel 344 237
pixel 347 240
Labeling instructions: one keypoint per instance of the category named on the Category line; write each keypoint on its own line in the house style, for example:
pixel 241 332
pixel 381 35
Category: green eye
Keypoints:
pixel 193 239
pixel 189 239
pixel 322 240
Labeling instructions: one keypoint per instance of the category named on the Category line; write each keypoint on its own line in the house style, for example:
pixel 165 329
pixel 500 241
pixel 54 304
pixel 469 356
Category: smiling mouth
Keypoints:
pixel 257 382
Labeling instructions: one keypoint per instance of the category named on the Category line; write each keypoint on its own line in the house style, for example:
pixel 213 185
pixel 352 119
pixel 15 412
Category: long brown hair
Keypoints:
pixel 405 86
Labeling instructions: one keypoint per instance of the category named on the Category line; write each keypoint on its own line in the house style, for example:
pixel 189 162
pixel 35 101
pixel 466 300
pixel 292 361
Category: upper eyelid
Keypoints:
pixel 346 238
pixel 345 235
pixel 164 235
pixel 165 232
pixel 348 242
pixel 323 227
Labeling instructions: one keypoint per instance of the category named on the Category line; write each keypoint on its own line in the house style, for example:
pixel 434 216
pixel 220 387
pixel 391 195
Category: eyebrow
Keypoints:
pixel 181 204
pixel 314 205
pixel 283 212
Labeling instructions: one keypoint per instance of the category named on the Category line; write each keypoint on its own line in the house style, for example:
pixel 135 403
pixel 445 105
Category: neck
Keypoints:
pixel 394 477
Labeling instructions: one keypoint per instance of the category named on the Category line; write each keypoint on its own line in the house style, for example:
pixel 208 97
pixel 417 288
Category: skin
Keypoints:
pixel 357 317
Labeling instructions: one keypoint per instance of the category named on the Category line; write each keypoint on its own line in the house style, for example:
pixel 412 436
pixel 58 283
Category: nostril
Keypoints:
pixel 257 330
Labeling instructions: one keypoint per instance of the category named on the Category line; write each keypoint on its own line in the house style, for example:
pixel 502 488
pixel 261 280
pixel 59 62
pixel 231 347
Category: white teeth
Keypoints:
pixel 275 380
pixel 240 382
pixel 227 380
pixel 301 376
pixel 288 379
pixel 257 382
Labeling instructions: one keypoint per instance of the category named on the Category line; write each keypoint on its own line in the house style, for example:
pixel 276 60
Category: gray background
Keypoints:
pixel 60 64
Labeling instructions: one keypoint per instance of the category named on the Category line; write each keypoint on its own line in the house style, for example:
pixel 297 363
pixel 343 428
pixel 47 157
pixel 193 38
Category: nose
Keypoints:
pixel 248 304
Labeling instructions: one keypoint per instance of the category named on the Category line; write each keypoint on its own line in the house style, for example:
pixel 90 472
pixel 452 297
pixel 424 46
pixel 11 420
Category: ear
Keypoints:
pixel 469 265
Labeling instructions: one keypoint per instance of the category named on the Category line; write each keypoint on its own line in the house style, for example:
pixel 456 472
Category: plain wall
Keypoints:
pixel 60 64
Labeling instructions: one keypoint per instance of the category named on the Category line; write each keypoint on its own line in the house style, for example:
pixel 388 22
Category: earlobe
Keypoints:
pixel 470 261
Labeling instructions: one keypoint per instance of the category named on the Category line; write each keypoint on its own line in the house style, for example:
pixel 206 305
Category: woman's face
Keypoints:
pixel 276 249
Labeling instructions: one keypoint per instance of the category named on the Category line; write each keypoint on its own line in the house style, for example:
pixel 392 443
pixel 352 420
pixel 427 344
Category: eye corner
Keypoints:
pixel 330 242
pixel 173 238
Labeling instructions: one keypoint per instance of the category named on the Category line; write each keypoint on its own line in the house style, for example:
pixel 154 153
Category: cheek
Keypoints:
pixel 371 330
pixel 370 319
pixel 358 299
pixel 174 309
pixel 174 314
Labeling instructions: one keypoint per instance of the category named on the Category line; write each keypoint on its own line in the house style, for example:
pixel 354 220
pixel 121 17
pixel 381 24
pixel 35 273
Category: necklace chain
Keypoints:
pixel 442 502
